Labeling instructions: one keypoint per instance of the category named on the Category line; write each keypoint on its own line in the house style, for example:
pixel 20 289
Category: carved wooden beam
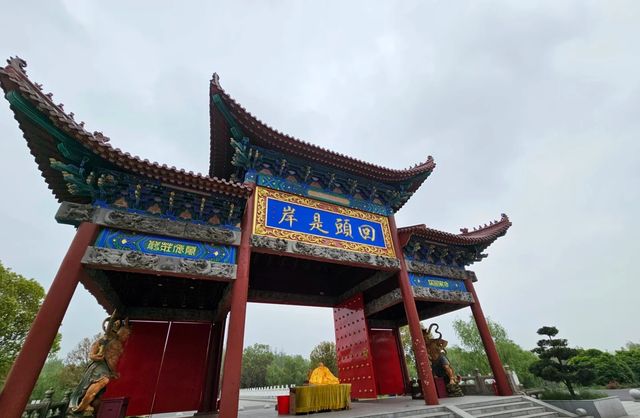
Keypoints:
pixel 377 278
pixel 134 261
pixel 383 302
pixel 265 296
pixel 168 314
pixel 383 323
pixel 335 255
pixel 420 293
pixel 74 214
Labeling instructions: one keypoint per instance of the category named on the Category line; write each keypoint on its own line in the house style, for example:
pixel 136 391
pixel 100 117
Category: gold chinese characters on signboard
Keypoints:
pixel 296 218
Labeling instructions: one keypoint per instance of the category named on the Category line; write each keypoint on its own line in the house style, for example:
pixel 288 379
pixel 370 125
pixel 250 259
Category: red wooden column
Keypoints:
pixel 208 405
pixel 233 357
pixel 417 339
pixel 489 346
pixel 25 370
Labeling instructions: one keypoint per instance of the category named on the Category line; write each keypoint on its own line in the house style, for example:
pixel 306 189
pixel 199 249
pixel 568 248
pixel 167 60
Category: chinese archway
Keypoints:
pixel 275 220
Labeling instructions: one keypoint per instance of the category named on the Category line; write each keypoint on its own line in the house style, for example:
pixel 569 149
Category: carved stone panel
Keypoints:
pixel 441 295
pixel 435 270
pixel 335 254
pixel 74 213
pixel 133 260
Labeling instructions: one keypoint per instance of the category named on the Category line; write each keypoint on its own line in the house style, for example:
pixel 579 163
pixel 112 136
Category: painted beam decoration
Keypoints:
pixel 283 215
pixel 154 244
pixel 439 283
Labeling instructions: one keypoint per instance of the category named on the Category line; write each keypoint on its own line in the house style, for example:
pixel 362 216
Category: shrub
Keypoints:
pixel 563 395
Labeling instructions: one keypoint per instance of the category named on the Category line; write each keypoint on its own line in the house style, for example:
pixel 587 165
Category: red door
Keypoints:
pixel 355 364
pixel 183 368
pixel 163 367
pixel 139 366
pixel 386 362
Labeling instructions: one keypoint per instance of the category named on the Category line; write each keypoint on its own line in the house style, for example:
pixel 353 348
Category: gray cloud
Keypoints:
pixel 528 108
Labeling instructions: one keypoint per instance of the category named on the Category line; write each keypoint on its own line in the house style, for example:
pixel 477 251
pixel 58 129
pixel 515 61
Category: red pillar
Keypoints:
pixel 25 370
pixel 208 405
pixel 417 339
pixel 489 346
pixel 233 357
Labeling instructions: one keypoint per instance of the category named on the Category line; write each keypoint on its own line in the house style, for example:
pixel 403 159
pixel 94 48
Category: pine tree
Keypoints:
pixel 553 363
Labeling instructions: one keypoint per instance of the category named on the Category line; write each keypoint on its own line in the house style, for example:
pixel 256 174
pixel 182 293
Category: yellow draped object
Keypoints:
pixel 322 398
pixel 321 375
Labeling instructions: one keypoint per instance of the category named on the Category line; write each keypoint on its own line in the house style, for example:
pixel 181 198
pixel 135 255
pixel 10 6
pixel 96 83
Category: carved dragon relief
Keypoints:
pixel 75 213
pixel 295 247
pixel 133 260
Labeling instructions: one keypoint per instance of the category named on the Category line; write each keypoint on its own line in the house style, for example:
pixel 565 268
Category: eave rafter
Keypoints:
pixel 53 133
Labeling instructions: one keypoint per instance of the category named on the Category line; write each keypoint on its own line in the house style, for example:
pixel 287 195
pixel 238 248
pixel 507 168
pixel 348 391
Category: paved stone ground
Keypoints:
pixel 265 408
pixel 623 394
pixel 255 409
pixel 633 408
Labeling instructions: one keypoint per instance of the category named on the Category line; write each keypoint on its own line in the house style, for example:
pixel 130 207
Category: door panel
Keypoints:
pixel 386 362
pixel 355 364
pixel 183 368
pixel 163 367
pixel 139 366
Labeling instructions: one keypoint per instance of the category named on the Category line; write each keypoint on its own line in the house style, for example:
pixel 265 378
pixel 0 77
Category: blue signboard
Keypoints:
pixel 434 282
pixel 153 244
pixel 283 215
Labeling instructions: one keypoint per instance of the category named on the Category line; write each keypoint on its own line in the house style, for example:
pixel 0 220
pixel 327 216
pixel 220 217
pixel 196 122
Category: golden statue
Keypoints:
pixel 440 365
pixel 321 375
pixel 104 356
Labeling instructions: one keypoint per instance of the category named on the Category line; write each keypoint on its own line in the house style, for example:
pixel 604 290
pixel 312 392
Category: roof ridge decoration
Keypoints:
pixel 269 137
pixel 482 235
pixel 28 96
pixel 432 246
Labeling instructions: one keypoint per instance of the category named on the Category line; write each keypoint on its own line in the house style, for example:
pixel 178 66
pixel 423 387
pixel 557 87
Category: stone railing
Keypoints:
pixel 267 392
pixel 479 384
pixel 46 408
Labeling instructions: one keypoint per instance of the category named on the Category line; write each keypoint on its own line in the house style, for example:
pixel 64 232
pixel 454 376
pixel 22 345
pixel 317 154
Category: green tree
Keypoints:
pixel 77 360
pixel 63 375
pixel 631 357
pixel 325 352
pixel 554 363
pixel 20 299
pixel 606 367
pixel 632 346
pixel 409 358
pixel 49 378
pixel 471 355
pixel 54 375
pixel 287 370
pixel 255 361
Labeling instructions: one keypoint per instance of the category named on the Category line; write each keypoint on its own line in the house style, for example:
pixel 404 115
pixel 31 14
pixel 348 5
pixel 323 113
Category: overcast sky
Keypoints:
pixel 527 107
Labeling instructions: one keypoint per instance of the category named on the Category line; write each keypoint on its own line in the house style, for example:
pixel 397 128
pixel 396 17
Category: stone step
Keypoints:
pixel 433 412
pixel 430 415
pixel 495 401
pixel 520 412
pixel 517 404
